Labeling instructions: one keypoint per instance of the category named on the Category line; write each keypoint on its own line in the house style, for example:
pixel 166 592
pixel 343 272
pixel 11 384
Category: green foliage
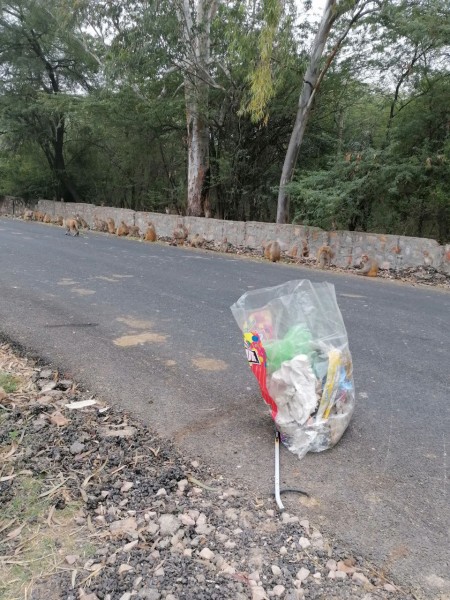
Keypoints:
pixel 375 155
pixel 379 191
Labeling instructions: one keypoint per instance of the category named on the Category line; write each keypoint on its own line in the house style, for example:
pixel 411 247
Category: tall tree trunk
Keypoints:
pixel 196 31
pixel 311 82
pixel 198 147
pixel 68 190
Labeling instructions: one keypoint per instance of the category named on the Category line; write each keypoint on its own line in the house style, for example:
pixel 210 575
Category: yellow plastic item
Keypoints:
pixel 331 384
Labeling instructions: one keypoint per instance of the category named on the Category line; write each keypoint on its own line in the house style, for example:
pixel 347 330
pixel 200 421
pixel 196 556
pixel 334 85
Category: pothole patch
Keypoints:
pixel 209 364
pixel 136 339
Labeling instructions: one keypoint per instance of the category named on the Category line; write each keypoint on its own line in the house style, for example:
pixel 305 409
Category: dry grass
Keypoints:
pixel 35 537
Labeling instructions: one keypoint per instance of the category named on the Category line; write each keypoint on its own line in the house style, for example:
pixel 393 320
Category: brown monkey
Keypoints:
pixel 47 218
pixel 272 251
pixel 198 241
pixel 207 209
pixel 292 252
pixel 275 252
pixel 369 266
pixel 100 225
pixel 39 216
pixel 225 245
pixel 266 249
pixel 111 226
pixel 324 256
pixel 134 231
pixel 81 222
pixel 150 234
pixel 71 226
pixel 305 249
pixel 123 229
pixel 180 234
pixel 171 210
pixel 28 215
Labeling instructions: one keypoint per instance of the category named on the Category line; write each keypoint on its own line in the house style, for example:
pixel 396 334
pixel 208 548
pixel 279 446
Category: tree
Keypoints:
pixel 42 66
pixel 312 80
pixel 195 21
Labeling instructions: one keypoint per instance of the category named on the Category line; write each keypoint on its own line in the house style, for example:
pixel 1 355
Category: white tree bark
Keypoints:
pixel 195 19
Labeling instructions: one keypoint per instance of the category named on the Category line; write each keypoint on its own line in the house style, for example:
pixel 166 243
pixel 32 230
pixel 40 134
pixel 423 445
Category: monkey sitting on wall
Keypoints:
pixel 369 266
pixel 324 256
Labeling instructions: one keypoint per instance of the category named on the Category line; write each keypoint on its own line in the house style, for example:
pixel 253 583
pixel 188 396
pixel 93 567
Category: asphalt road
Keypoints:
pixel 149 327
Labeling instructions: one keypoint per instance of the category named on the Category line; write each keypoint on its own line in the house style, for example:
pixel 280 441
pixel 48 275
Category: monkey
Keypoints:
pixel 305 249
pixel 272 251
pixel 369 266
pixel 150 234
pixel 207 209
pixel 324 256
pixel 111 226
pixel 180 234
pixel 198 241
pixel 100 225
pixel 47 218
pixel 225 245
pixel 28 215
pixel 81 222
pixel 292 252
pixel 38 216
pixel 172 210
pixel 123 229
pixel 275 252
pixel 134 231
pixel 71 225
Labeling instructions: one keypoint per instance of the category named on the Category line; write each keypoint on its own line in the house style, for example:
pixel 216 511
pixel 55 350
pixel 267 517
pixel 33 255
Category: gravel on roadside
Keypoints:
pixel 124 515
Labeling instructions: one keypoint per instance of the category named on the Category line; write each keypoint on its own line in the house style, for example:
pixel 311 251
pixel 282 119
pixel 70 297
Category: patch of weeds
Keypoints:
pixel 38 538
pixel 9 383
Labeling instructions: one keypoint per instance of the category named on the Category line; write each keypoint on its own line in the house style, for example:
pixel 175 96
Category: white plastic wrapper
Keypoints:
pixel 297 348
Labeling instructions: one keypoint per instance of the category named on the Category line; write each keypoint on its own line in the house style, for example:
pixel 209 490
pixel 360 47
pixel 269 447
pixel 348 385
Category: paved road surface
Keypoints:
pixel 85 302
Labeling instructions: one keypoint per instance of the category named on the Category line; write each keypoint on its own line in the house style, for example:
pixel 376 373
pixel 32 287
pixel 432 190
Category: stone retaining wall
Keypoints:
pixel 10 205
pixel 391 251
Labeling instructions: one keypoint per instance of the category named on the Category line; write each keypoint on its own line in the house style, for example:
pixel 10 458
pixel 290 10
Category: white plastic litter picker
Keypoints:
pixel 297 348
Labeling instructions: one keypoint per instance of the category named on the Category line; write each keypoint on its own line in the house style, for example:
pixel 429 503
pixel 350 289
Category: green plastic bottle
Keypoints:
pixel 296 341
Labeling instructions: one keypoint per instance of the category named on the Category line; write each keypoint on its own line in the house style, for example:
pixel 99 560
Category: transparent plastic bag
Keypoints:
pixel 297 348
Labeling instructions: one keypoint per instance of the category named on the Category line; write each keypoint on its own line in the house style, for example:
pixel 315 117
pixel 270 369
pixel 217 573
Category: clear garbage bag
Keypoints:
pixel 297 347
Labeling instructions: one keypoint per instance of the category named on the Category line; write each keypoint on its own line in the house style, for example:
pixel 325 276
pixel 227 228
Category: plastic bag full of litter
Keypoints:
pixel 297 347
